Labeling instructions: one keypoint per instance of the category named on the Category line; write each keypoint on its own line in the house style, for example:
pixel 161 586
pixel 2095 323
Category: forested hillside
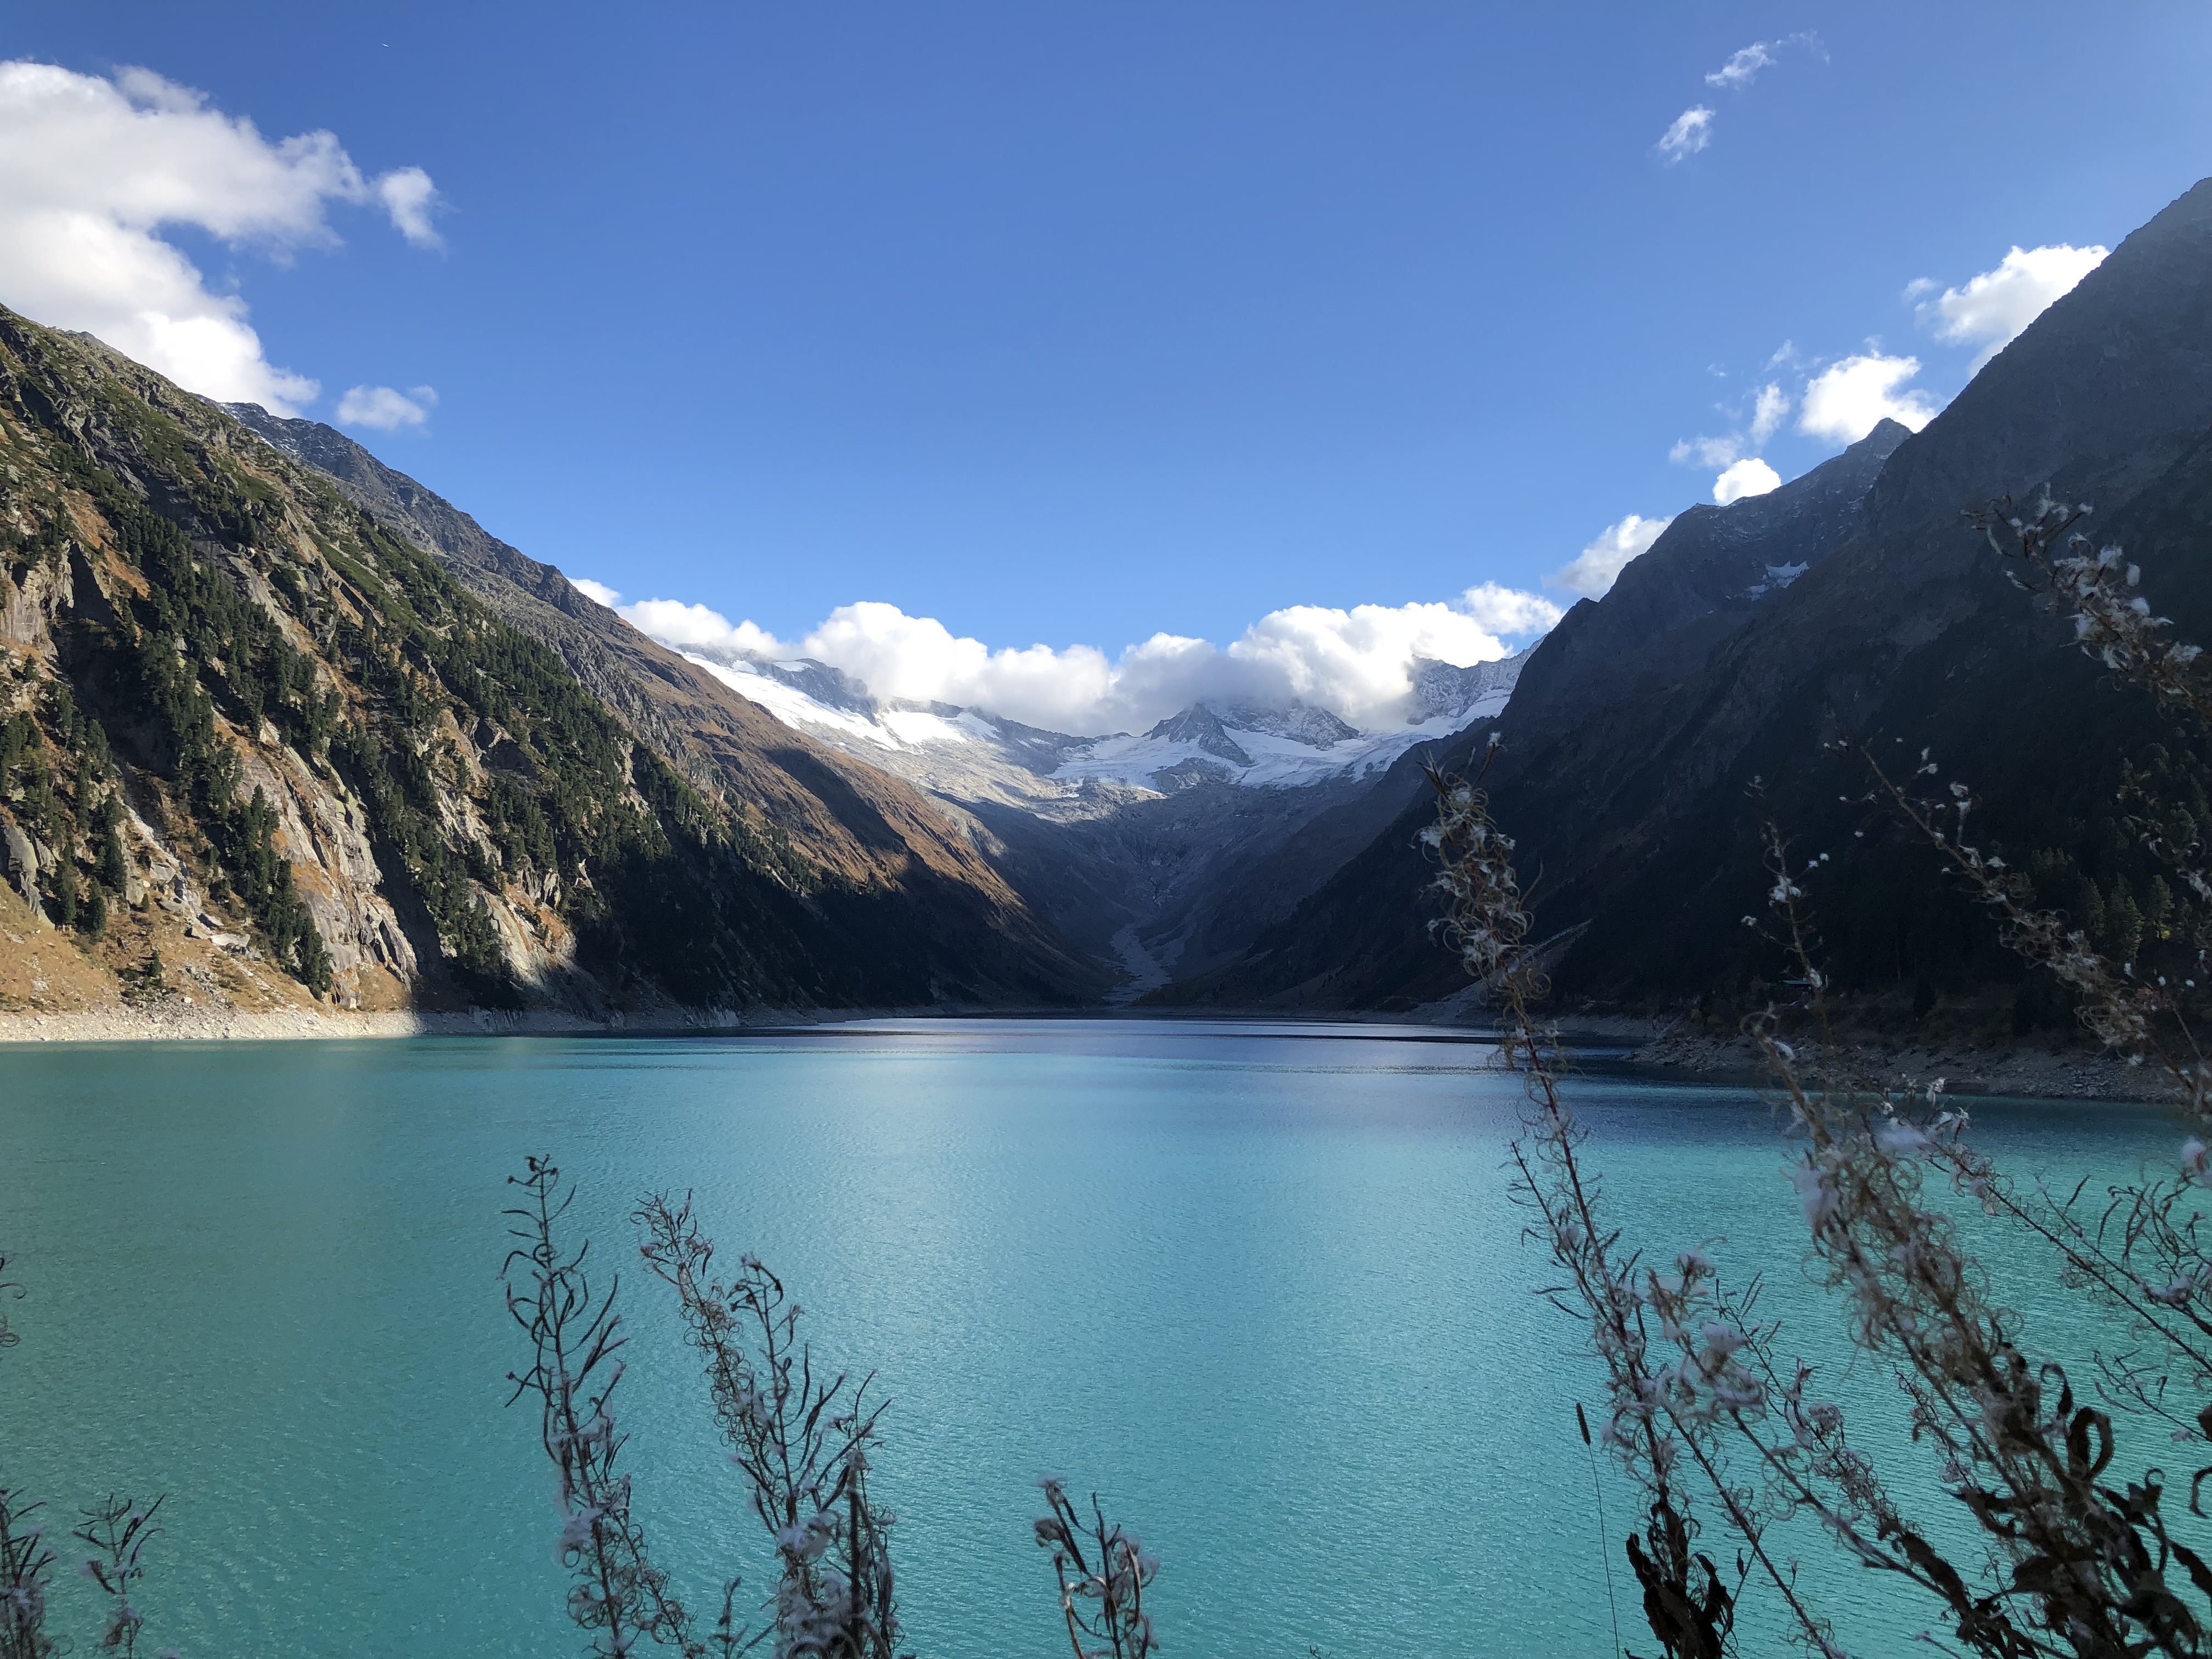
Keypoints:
pixel 259 747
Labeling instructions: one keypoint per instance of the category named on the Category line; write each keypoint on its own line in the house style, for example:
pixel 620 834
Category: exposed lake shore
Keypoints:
pixel 170 1023
pixel 2033 1070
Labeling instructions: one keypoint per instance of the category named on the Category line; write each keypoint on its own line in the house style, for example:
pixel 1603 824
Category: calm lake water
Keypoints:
pixel 1261 1288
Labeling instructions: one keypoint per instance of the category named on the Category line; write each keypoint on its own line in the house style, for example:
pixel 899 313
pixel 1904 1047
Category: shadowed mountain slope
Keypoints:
pixel 1647 723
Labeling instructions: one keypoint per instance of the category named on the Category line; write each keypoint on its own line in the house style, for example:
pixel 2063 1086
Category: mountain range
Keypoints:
pixel 279 727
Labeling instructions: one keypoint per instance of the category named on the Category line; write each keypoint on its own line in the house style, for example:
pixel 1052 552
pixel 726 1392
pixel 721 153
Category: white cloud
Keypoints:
pixel 1356 662
pixel 1769 409
pixel 694 626
pixel 1705 451
pixel 1846 400
pixel 599 591
pixel 1691 132
pixel 1770 406
pixel 1743 67
pixel 385 409
pixel 1995 307
pixel 93 170
pixel 1749 476
pixel 1693 128
pixel 1594 571
pixel 1509 609
pixel 409 197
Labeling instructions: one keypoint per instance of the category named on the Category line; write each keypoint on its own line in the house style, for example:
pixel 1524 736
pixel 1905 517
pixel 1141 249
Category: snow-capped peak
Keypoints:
pixel 1208 726
pixel 971 754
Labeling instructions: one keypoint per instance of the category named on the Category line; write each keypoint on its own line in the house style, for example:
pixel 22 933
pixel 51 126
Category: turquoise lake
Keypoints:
pixel 1261 1288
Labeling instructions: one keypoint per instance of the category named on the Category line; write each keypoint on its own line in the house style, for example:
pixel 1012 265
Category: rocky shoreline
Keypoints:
pixel 172 1023
pixel 2039 1073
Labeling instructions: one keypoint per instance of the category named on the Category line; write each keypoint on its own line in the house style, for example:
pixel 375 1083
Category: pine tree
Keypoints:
pixel 64 894
pixel 2124 922
pixel 114 862
pixel 2088 909
pixel 2158 909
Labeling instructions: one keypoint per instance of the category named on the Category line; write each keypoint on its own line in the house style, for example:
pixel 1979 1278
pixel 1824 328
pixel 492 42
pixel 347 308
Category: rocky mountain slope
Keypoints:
pixel 270 733
pixel 1710 570
pixel 1899 632
pixel 847 813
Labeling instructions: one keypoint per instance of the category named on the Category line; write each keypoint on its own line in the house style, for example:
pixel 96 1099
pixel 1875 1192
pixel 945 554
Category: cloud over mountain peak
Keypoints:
pixel 1359 662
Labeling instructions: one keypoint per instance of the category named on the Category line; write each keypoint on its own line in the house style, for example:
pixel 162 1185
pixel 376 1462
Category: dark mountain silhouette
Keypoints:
pixel 1655 730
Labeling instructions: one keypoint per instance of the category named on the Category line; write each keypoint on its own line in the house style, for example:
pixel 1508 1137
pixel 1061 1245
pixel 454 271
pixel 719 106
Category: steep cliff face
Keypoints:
pixel 259 745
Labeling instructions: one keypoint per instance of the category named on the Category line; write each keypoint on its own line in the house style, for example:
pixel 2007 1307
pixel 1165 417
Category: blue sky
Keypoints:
pixel 1073 323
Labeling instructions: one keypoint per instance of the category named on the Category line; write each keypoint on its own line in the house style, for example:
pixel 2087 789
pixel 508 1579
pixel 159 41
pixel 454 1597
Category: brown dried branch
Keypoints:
pixel 802 1442
pixel 1660 1424
pixel 619 1596
pixel 1103 1573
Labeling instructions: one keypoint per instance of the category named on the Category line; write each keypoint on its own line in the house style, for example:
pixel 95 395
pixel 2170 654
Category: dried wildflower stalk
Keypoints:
pixel 2079 1562
pixel 118 1530
pixel 2045 553
pixel 2076 1558
pixel 801 1440
pixel 619 1597
pixel 1103 1573
pixel 26 1567
pixel 2075 1562
pixel 1669 1376
pixel 2143 1257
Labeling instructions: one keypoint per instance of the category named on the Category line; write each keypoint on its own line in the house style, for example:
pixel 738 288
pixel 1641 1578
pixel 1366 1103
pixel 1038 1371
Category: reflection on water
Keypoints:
pixel 1261 1286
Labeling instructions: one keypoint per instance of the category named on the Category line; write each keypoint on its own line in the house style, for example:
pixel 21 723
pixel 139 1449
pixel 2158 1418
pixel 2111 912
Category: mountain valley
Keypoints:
pixel 280 728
